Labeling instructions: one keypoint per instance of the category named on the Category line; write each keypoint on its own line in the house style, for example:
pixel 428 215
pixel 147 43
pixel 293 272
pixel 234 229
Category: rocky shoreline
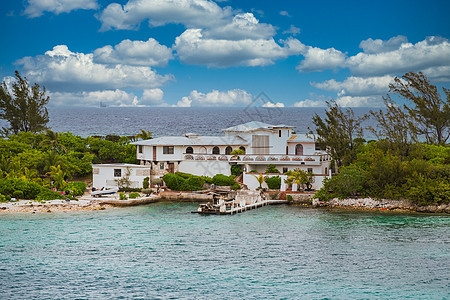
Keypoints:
pixel 373 204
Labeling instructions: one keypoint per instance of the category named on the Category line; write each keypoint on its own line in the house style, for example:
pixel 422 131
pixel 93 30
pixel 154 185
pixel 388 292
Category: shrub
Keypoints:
pixel 157 181
pixel 207 179
pixel 76 188
pixel 272 169
pixel 147 192
pixel 122 196
pixel 146 182
pixel 29 190
pixel 236 186
pixel 134 195
pixel 47 194
pixel 253 171
pixel 3 198
pixel 129 190
pixel 222 180
pixel 18 194
pixel 177 183
pixel 173 181
pixel 236 170
pixel 289 198
pixel 184 175
pixel 274 183
pixel 196 181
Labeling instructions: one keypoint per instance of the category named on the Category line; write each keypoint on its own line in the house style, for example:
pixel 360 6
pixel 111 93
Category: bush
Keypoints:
pixel 122 196
pixel 147 192
pixel 223 180
pixel 289 198
pixel 146 183
pixel 26 189
pixel 274 183
pixel 236 170
pixel 18 194
pixel 236 186
pixel 134 195
pixel 272 169
pixel 157 181
pixel 196 181
pixel 129 190
pixel 76 188
pixel 47 194
pixel 184 175
pixel 3 198
pixel 177 183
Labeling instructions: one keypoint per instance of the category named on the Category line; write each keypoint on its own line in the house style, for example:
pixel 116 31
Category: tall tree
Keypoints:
pixel 144 135
pixel 430 112
pixel 339 132
pixel 23 106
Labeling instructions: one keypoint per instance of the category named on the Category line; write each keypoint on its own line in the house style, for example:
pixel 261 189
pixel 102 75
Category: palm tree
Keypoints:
pixel 52 138
pixel 300 178
pixel 51 159
pixel 260 179
pixel 58 177
pixel 144 135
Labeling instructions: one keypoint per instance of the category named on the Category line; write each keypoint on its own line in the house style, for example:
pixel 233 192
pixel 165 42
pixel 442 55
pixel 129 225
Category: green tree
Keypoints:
pixel 58 177
pixel 271 168
pixel 339 132
pixel 24 108
pixel 430 112
pixel 52 138
pixel 144 135
pixel 260 179
pixel 301 178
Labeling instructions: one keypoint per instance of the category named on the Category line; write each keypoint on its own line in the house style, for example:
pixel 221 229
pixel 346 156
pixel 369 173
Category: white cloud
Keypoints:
pixel 235 97
pixel 317 59
pixel 310 103
pixel 292 30
pixel 138 53
pixel 242 26
pixel 357 86
pixel 431 52
pixel 109 97
pixel 193 48
pixel 36 8
pixel 439 74
pixel 371 46
pixel 152 97
pixel 367 101
pixel 184 102
pixel 63 70
pixel 284 13
pixel 191 13
pixel 273 105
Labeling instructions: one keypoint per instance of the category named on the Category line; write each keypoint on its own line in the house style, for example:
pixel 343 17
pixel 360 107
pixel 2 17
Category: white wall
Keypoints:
pixel 205 167
pixel 103 175
pixel 252 183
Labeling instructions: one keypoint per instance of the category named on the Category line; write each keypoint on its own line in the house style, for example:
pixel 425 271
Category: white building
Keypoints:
pixel 263 144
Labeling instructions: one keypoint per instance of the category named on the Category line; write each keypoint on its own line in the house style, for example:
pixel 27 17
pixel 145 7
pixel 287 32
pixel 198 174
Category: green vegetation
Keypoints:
pixel 22 189
pixel 122 196
pixel 398 165
pixel 272 169
pixel 274 183
pixel 188 182
pixel 236 170
pixel 303 179
pixel 134 195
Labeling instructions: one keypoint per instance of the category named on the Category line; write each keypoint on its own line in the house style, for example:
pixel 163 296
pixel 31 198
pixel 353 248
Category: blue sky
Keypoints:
pixel 223 53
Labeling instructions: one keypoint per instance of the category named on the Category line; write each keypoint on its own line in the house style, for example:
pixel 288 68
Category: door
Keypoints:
pixel 299 149
pixel 171 167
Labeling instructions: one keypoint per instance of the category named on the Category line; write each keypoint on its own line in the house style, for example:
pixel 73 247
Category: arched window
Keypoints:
pixel 242 148
pixel 299 149
pixel 189 150
pixel 228 150
pixel 203 150
pixel 216 150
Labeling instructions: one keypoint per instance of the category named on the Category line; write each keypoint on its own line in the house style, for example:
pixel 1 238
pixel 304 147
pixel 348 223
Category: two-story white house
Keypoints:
pixel 263 144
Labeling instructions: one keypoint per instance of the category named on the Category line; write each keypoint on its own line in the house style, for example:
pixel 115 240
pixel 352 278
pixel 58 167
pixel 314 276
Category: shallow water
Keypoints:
pixel 163 251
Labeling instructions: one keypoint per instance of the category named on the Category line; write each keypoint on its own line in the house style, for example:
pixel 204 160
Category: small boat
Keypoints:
pixel 99 193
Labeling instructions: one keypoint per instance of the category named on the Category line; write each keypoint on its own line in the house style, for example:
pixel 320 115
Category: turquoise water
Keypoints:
pixel 162 251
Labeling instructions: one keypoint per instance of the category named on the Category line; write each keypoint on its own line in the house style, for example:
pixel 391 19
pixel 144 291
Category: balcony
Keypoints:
pixel 260 158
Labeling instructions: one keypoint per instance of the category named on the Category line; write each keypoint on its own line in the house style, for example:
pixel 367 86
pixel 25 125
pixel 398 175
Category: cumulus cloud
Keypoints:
pixel 292 30
pixel 429 53
pixel 371 46
pixel 152 97
pixel 63 70
pixel 317 59
pixel 184 102
pixel 137 53
pixel 242 26
pixel 109 97
pixel 273 105
pixel 367 101
pixel 310 103
pixel 191 13
pixel 193 48
pixel 217 98
pixel 357 86
pixel 35 8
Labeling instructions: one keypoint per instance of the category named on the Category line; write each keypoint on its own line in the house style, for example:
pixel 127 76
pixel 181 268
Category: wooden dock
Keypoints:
pixel 239 209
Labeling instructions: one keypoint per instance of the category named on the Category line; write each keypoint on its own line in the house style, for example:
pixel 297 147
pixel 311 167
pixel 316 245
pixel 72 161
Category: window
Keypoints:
pixel 260 144
pixel 326 170
pixel 279 133
pixel 242 148
pixel 228 150
pixel 287 150
pixel 310 170
pixel 285 170
pixel 216 150
pixel 167 149
pixel 317 147
pixel 140 148
pixel 117 172
pixel 161 166
pixel 299 149
pixel 189 150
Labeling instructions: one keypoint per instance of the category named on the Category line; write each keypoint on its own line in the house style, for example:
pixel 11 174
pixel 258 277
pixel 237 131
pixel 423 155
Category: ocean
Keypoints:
pixel 162 251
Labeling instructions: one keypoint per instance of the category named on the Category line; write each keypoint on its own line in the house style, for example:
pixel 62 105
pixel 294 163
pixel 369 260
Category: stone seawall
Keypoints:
pixel 369 203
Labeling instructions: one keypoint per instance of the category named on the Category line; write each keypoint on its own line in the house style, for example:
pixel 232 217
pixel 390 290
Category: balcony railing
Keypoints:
pixel 258 157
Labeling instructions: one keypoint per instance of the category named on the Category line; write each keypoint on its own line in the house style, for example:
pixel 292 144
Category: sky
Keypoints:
pixel 189 53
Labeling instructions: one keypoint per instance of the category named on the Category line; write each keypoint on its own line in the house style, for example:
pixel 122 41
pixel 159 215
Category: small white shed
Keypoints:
pixel 107 175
